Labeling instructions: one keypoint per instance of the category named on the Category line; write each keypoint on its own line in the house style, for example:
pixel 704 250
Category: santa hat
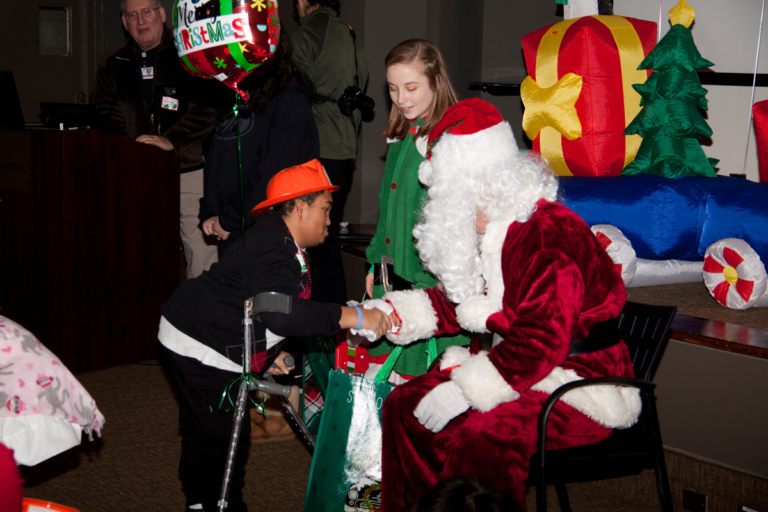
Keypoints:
pixel 474 134
pixel 474 165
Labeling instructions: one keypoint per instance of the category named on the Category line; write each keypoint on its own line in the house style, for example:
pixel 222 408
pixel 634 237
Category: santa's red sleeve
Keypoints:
pixel 424 314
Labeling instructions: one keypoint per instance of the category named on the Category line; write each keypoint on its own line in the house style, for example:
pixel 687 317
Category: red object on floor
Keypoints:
pixel 33 505
pixel 10 482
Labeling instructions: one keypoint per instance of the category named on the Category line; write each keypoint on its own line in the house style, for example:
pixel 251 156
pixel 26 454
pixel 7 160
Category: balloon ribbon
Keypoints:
pixel 226 404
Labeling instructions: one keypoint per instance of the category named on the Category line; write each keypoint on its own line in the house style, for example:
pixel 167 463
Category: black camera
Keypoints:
pixel 353 98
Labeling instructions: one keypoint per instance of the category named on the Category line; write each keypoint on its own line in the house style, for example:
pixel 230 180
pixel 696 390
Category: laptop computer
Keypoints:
pixel 69 115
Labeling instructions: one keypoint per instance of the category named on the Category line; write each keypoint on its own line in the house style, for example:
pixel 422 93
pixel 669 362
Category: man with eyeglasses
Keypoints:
pixel 145 94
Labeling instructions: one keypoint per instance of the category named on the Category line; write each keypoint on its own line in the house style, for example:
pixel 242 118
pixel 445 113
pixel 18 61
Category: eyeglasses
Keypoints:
pixel 144 13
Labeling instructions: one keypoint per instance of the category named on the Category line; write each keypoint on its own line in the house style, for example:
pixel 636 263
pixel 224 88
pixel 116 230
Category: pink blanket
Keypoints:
pixel 43 407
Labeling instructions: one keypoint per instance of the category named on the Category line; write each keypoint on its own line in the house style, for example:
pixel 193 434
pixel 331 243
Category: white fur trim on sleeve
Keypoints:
pixel 419 320
pixel 482 384
pixel 474 311
pixel 611 406
pixel 454 355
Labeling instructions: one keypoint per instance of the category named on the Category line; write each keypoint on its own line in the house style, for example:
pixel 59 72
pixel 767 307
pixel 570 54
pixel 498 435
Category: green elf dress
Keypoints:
pixel 400 200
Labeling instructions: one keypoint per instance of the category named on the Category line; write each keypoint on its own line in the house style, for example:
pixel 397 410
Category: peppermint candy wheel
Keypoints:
pixel 619 248
pixel 734 274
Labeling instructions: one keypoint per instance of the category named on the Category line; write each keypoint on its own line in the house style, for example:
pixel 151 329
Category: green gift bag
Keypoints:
pixel 346 467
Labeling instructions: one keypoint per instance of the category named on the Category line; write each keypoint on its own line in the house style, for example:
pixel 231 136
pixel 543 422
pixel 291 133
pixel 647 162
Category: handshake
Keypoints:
pixel 386 321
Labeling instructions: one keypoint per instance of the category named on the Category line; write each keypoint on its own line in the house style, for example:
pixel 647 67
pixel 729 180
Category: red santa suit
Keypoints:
pixel 538 280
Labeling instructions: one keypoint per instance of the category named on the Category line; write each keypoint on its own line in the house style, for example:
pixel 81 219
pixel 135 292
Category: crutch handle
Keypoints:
pixel 288 360
pixel 270 388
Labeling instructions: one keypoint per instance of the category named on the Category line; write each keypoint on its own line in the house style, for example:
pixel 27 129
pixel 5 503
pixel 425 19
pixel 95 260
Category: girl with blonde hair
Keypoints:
pixel 421 92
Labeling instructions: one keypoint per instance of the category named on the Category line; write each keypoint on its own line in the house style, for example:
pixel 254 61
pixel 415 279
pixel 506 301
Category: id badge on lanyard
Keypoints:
pixel 147 72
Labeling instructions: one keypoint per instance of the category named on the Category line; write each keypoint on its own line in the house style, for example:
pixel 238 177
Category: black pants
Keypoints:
pixel 205 433
pixel 326 268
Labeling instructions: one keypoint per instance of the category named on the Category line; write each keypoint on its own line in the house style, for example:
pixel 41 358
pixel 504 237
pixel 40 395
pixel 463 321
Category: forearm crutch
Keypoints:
pixel 307 438
pixel 263 302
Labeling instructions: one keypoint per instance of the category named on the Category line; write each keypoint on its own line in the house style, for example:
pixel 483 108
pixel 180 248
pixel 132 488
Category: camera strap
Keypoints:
pixel 354 48
pixel 322 99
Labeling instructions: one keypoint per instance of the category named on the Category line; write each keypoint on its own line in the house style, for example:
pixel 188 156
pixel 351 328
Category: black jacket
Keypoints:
pixel 118 93
pixel 282 136
pixel 209 308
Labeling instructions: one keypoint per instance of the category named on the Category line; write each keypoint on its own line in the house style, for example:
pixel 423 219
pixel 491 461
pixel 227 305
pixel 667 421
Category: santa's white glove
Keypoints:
pixel 440 406
pixel 380 304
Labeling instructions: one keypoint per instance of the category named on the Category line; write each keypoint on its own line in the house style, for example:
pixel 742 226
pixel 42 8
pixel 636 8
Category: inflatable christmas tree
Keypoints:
pixel 670 121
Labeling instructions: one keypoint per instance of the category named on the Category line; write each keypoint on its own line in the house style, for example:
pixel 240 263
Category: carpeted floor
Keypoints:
pixel 133 466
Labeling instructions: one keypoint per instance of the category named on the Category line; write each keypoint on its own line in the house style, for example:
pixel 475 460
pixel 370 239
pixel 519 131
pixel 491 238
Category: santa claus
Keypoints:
pixel 516 264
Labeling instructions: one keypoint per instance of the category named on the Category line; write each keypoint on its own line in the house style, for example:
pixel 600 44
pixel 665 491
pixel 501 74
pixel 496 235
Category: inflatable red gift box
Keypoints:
pixel 578 96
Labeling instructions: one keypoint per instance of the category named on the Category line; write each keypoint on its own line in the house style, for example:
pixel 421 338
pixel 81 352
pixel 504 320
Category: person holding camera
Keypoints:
pixel 421 92
pixel 331 54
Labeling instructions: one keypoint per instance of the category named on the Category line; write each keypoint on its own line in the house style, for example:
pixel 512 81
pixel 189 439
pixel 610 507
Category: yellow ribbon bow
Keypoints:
pixel 553 106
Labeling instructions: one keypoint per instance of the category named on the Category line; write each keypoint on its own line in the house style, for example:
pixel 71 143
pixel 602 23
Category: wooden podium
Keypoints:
pixel 89 242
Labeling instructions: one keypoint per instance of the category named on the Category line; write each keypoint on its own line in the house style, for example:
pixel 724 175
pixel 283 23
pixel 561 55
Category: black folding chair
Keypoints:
pixel 645 329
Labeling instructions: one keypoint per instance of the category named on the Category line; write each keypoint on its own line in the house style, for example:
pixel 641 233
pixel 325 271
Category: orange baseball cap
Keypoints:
pixel 294 182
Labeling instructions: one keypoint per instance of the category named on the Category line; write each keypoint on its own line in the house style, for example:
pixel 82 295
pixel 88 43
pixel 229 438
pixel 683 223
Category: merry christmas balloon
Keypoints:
pixel 225 39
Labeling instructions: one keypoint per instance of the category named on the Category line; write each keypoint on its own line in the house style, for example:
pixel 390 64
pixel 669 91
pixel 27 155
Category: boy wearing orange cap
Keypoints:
pixel 201 327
